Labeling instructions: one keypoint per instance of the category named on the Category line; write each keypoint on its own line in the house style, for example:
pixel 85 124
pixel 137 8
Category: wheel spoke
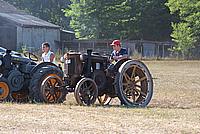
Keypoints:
pixel 141 92
pixel 141 79
pixel 47 89
pixel 50 83
pixel 138 86
pixel 125 84
pixel 54 98
pixel 47 84
pixel 56 95
pixel 90 86
pixel 126 76
pixel 105 98
pixel 126 89
pixel 55 83
pixel 49 96
pixel 133 95
pixel 133 73
pixel 84 85
pixel 82 89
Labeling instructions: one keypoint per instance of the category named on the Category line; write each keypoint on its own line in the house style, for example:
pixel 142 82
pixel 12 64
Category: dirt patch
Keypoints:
pixel 175 108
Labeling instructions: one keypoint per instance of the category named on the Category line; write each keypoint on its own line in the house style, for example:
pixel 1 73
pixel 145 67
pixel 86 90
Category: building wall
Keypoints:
pixel 33 37
pixel 7 35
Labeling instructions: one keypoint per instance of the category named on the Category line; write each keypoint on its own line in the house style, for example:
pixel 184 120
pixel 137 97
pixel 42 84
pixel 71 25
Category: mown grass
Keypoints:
pixel 175 108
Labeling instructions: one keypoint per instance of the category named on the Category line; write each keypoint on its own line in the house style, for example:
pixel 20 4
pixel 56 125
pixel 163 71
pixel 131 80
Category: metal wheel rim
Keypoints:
pixel 5 90
pixel 135 84
pixel 51 89
pixel 86 92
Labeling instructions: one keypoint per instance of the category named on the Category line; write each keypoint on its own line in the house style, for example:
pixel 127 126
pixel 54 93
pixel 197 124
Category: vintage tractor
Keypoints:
pixel 89 76
pixel 21 78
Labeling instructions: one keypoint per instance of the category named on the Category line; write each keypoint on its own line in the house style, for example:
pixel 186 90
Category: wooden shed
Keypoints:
pixel 19 29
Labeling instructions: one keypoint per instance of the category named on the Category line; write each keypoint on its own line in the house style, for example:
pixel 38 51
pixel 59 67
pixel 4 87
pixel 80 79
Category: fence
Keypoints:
pixel 143 48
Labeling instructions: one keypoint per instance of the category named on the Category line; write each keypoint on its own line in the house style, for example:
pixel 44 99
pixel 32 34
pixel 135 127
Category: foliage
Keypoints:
pixel 49 10
pixel 186 33
pixel 125 19
pixel 184 38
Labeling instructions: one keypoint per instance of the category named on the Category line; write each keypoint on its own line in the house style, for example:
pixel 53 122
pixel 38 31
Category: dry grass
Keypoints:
pixel 175 108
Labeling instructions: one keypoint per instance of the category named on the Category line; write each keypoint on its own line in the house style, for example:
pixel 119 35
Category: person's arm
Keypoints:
pixel 52 56
pixel 123 55
pixel 42 59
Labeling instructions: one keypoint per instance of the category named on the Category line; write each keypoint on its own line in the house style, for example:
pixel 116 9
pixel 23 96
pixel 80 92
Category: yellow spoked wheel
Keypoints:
pixel 52 89
pixel 46 85
pixel 4 89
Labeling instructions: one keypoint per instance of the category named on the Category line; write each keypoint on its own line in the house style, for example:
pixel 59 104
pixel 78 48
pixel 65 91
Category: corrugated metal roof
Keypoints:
pixel 26 20
pixel 21 18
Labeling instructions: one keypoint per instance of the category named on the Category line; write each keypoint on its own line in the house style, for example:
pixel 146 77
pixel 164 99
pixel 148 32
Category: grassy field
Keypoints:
pixel 175 108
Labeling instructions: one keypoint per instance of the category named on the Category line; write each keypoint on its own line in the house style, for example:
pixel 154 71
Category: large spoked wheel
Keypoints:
pixel 45 85
pixel 4 89
pixel 134 84
pixel 104 99
pixel 51 89
pixel 86 92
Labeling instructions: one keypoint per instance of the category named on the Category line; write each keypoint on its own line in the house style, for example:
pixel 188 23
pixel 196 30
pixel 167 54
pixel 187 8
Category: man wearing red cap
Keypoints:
pixel 118 52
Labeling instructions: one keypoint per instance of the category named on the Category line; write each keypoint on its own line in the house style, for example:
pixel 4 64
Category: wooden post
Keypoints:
pixel 93 45
pixel 158 52
pixel 163 51
pixel 141 45
pixel 79 46
pixel 62 45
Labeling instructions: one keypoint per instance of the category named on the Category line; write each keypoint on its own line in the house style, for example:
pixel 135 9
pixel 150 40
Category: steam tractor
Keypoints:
pixel 87 75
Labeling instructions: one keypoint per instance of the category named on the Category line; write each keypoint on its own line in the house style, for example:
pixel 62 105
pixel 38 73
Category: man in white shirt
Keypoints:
pixel 47 56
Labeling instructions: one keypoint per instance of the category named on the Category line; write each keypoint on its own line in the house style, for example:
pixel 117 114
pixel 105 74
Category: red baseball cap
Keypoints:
pixel 116 42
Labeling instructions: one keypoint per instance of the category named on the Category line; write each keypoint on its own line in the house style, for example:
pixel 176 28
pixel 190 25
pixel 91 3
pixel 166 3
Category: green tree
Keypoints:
pixel 126 19
pixel 49 10
pixel 98 19
pixel 186 32
pixel 151 20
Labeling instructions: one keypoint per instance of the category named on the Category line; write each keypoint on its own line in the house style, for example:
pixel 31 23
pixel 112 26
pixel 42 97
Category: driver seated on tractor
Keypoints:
pixel 48 55
pixel 118 53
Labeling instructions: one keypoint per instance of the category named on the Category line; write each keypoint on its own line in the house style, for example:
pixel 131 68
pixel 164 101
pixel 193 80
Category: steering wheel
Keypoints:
pixel 31 56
